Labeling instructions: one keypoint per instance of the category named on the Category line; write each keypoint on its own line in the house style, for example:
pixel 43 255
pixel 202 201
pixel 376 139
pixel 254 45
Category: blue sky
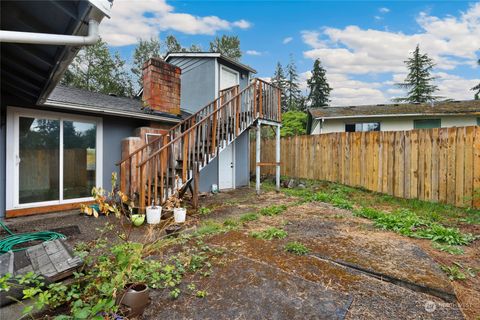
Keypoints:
pixel 361 44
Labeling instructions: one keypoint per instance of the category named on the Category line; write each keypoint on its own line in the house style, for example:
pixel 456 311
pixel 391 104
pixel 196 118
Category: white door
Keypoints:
pixel 226 168
pixel 228 78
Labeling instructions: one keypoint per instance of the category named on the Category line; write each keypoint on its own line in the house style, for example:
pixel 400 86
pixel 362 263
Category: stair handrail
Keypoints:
pixel 184 133
pixel 172 129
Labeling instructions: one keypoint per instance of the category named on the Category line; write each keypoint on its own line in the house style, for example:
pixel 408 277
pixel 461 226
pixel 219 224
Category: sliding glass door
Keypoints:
pixel 56 158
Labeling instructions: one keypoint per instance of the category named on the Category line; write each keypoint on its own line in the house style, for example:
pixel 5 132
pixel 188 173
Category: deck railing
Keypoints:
pixel 198 140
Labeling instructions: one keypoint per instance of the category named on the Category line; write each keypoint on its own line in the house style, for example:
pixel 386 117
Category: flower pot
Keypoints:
pixel 179 214
pixel 135 297
pixel 137 219
pixel 154 214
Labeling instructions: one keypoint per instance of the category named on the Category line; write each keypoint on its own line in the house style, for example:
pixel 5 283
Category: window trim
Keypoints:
pixel 362 123
pixel 12 183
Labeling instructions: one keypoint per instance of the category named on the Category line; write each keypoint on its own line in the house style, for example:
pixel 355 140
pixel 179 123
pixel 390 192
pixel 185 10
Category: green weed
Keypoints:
pixel 296 248
pixel 447 248
pixel 209 227
pixel 458 272
pixel 250 216
pixel 204 211
pixel 270 234
pixel 230 223
pixel 273 210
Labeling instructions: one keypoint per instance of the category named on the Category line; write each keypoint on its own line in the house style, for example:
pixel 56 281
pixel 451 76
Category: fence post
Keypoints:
pixel 277 158
pixel 257 155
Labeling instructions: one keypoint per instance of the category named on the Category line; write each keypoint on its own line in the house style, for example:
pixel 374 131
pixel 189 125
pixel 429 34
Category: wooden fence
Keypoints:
pixel 440 165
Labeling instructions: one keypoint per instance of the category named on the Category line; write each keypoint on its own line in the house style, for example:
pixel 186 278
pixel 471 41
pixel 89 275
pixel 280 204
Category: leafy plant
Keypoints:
pixel 453 272
pixel 201 294
pixel 273 210
pixel 251 216
pixel 296 248
pixel 204 211
pixel 439 233
pixel 175 293
pixel 270 234
pixel 447 248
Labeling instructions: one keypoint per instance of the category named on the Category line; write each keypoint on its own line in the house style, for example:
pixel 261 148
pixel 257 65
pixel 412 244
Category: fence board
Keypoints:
pixel 441 165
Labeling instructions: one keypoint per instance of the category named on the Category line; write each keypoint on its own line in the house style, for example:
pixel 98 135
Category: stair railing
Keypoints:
pixel 129 171
pixel 167 169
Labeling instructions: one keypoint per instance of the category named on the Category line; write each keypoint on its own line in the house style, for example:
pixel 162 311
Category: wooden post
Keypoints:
pixel 196 175
pixel 257 154
pixel 260 100
pixel 277 159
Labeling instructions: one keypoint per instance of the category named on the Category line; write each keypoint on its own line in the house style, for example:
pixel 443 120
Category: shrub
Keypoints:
pixel 296 248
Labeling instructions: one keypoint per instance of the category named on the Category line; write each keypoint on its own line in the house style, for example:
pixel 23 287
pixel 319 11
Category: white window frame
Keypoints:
pixel 12 174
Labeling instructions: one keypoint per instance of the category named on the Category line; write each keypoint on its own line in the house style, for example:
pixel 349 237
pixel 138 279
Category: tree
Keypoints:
pixel 477 87
pixel 292 87
pixel 95 69
pixel 195 48
pixel 418 80
pixel 293 123
pixel 319 87
pixel 228 46
pixel 172 44
pixel 145 50
pixel 280 81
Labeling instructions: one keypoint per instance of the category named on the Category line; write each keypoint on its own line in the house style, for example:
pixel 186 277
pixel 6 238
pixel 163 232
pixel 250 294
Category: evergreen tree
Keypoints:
pixel 95 69
pixel 319 87
pixel 292 87
pixel 228 46
pixel 172 44
pixel 195 48
pixel 477 87
pixel 145 50
pixel 418 81
pixel 280 81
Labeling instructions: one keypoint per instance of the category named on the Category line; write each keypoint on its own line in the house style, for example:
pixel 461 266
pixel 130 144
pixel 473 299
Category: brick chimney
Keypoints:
pixel 161 86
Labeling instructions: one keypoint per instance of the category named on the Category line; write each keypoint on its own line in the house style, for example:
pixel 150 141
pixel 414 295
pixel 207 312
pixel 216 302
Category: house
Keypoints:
pixel 393 117
pixel 204 76
pixel 57 142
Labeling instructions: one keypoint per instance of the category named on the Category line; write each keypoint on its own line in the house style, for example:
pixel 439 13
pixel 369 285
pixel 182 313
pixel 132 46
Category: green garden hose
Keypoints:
pixel 7 244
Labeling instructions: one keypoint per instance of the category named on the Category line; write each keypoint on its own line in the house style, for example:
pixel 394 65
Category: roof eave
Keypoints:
pixel 399 115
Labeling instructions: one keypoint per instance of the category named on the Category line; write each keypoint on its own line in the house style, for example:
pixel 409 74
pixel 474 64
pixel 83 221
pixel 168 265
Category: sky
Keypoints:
pixel 362 45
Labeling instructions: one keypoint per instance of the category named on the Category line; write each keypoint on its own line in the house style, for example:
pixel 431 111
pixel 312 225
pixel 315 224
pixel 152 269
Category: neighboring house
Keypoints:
pixel 56 142
pixel 393 117
pixel 204 76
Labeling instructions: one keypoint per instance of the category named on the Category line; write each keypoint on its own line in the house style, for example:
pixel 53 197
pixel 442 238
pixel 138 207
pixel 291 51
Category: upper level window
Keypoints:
pixel 362 126
pixel 427 123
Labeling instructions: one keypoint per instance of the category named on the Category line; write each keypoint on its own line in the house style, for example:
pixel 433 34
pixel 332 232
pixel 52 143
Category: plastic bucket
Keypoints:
pixel 179 214
pixel 154 214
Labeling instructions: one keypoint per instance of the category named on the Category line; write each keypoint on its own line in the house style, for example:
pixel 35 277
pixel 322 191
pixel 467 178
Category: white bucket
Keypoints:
pixel 154 214
pixel 179 214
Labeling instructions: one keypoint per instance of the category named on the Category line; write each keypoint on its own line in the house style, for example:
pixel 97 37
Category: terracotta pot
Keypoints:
pixel 135 297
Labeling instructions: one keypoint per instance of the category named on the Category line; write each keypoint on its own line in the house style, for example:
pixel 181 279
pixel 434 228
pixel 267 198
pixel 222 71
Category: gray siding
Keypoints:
pixel 209 176
pixel 115 129
pixel 197 81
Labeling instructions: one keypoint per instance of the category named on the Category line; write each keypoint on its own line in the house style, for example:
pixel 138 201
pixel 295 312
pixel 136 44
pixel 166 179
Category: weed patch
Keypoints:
pixel 270 234
pixel 204 211
pixel 273 210
pixel 250 216
pixel 209 227
pixel 447 248
pixel 296 248
pixel 458 272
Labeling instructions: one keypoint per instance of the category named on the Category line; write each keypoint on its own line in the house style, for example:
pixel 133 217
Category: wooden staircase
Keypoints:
pixel 169 163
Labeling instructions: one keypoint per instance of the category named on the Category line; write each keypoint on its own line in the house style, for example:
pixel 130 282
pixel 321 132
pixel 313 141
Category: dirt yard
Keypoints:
pixel 352 270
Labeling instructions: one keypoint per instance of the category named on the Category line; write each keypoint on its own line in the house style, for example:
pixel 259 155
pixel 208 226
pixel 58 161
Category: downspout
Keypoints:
pixel 52 39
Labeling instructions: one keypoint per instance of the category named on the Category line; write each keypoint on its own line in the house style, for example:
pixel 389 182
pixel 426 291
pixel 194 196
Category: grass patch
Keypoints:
pixel 270 234
pixel 231 223
pixel 296 248
pixel 250 216
pixel 447 248
pixel 410 224
pixel 273 210
pixel 209 227
pixel 204 211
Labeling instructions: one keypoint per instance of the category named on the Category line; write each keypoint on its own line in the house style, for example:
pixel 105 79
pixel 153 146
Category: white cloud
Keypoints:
pixel 384 10
pixel 131 20
pixel 450 41
pixel 287 40
pixel 253 53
